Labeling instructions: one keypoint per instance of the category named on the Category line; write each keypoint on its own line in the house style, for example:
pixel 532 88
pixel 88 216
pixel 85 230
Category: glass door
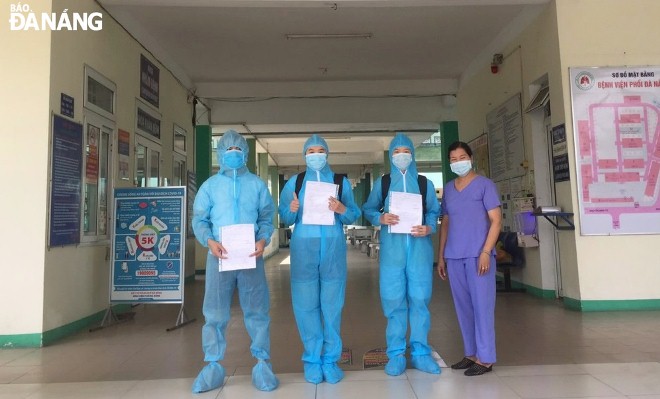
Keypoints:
pixel 147 162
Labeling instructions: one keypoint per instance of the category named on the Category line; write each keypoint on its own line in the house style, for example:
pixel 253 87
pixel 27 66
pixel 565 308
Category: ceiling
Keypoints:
pixel 238 50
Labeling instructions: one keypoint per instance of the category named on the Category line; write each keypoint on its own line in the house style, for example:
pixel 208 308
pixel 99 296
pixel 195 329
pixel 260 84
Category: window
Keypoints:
pixel 179 170
pixel 179 139
pixel 147 162
pixel 99 93
pixel 179 157
pixel 96 177
pixel 541 99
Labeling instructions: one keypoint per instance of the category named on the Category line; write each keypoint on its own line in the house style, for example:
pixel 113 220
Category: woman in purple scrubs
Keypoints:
pixel 471 223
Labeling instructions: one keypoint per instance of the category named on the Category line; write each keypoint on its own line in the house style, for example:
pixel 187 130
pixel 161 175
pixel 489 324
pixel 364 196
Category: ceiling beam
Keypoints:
pixel 364 88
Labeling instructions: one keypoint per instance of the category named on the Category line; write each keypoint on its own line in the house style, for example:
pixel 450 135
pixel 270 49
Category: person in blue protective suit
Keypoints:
pixel 471 223
pixel 318 264
pixel 406 260
pixel 234 196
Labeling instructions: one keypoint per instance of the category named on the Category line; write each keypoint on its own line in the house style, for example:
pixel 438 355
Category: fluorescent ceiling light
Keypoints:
pixel 328 35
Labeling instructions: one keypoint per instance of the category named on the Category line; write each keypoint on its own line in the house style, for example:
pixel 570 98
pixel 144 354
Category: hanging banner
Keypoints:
pixel 148 245
pixel 66 182
pixel 617 149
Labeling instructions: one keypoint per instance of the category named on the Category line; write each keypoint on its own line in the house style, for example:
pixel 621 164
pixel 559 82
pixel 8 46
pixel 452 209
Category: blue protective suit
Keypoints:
pixel 318 274
pixel 406 270
pixel 234 196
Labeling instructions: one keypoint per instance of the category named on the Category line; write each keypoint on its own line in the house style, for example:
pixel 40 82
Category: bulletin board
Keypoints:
pixel 479 148
pixel 505 140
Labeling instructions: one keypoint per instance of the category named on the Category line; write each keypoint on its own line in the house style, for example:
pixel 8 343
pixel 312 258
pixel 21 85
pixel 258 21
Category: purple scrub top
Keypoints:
pixel 468 216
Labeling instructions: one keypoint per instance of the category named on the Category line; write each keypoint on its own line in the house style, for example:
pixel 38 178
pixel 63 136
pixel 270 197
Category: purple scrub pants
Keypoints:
pixel 474 299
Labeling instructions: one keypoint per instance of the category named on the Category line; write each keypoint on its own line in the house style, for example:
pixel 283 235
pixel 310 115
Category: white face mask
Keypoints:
pixel 402 160
pixel 461 168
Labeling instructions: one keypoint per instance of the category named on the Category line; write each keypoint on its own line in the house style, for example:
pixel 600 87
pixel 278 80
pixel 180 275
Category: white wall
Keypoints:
pixel 77 277
pixel 575 33
pixel 610 33
pixel 24 78
pixel 532 55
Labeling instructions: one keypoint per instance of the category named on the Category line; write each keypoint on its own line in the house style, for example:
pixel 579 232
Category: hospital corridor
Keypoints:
pixel 451 199
pixel 545 351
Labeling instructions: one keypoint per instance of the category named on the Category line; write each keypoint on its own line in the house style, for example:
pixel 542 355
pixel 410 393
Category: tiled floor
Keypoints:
pixel 544 351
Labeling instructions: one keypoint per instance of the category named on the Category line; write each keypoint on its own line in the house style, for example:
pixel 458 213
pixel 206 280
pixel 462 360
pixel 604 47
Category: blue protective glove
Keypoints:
pixel 211 377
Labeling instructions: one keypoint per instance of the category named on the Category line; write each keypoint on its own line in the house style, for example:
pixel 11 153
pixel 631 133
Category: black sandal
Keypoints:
pixel 465 363
pixel 478 369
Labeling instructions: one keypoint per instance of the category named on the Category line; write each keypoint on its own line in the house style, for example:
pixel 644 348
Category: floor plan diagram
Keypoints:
pixel 618 160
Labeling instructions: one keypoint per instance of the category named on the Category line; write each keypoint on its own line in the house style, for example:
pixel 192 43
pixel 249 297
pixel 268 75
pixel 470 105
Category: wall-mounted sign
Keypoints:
pixel 124 149
pixel 65 188
pixel 66 105
pixel 560 154
pixel 505 140
pixel 149 81
pixel 148 122
pixel 616 125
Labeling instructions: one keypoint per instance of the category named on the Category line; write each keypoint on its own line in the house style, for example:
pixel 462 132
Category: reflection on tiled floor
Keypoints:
pixel 544 351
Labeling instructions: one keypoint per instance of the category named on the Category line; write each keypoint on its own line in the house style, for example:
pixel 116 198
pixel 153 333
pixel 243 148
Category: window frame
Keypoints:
pixel 181 159
pixel 105 126
pixel 183 132
pixel 150 145
pixel 90 72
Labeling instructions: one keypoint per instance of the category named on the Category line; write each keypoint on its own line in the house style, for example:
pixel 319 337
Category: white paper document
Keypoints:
pixel 316 209
pixel 238 240
pixel 408 207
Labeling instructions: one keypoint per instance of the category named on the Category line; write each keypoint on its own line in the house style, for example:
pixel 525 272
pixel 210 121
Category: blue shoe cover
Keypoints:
pixel 263 377
pixel 211 377
pixel 426 364
pixel 396 365
pixel 332 373
pixel 313 373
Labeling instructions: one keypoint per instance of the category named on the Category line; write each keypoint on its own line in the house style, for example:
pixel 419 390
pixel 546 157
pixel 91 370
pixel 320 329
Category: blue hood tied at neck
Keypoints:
pixel 316 141
pixel 401 140
pixel 232 138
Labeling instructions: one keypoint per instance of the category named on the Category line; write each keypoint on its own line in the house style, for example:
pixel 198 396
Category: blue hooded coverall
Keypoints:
pixel 406 269
pixel 318 272
pixel 234 196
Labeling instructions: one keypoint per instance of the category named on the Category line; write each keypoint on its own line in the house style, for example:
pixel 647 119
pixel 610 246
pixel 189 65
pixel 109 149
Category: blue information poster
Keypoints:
pixel 66 175
pixel 148 245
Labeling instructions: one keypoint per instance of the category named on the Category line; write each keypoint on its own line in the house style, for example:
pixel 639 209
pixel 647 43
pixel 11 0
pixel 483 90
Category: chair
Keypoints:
pixel 508 241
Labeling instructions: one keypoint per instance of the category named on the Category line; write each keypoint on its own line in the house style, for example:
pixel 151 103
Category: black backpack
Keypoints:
pixel 385 188
pixel 338 179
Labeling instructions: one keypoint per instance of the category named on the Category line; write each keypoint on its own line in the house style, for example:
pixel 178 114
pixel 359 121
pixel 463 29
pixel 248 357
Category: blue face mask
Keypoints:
pixel 402 160
pixel 233 159
pixel 461 168
pixel 316 161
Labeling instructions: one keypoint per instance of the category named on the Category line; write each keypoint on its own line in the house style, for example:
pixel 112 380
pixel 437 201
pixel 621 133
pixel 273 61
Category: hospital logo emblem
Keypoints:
pixel 584 81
